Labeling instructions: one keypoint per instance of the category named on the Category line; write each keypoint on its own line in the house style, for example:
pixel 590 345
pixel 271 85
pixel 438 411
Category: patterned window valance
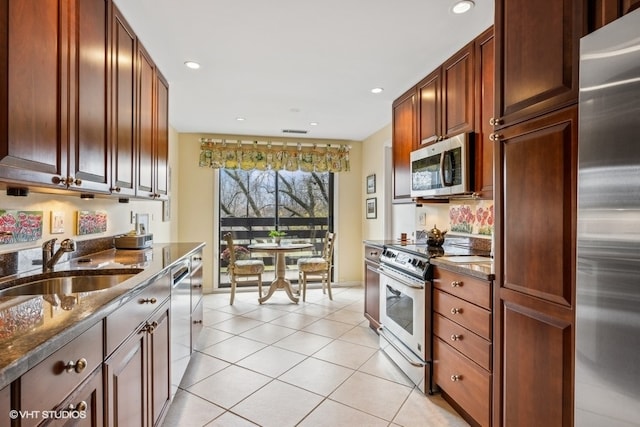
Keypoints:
pixel 248 155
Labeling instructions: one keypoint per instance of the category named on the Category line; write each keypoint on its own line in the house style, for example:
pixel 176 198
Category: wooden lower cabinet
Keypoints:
pixel 137 375
pixel 5 405
pixel 85 406
pixel 467 384
pixel 463 331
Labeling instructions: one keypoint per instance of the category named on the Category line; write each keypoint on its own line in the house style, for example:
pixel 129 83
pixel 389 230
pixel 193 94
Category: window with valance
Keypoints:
pixel 250 155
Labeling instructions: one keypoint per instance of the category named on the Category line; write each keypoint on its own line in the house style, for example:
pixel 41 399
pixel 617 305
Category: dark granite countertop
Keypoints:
pixel 31 328
pixel 483 270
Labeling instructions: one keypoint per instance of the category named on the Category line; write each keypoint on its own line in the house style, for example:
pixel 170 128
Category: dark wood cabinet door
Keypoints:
pixel 537 206
pixel 162 138
pixel 602 12
pixel 32 108
pixel 88 399
pixel 457 92
pixel 90 155
pixel 372 294
pixel 5 405
pixel 430 96
pixel 535 271
pixel 160 384
pixel 484 109
pixel 537 53
pixel 537 364
pixel 126 377
pixel 145 132
pixel 124 100
pixel 404 141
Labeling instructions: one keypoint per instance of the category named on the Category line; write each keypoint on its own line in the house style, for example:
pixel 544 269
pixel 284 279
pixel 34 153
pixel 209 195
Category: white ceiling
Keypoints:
pixel 282 64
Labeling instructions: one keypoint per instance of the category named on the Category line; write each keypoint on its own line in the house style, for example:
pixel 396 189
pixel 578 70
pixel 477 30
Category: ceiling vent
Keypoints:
pixel 297 131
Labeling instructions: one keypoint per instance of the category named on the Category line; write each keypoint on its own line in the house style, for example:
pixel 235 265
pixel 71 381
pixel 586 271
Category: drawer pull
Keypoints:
pixel 455 378
pixel 197 322
pixel 455 337
pixel 150 327
pixel 148 301
pixel 456 310
pixel 197 286
pixel 77 366
pixel 456 284
pixel 80 407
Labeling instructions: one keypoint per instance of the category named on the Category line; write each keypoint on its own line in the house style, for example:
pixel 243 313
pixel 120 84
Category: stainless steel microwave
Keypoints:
pixel 443 168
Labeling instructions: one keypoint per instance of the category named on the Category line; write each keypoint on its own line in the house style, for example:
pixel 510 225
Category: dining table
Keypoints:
pixel 279 250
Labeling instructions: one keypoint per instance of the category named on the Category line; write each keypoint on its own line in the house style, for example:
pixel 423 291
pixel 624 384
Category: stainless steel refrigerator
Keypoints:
pixel 607 348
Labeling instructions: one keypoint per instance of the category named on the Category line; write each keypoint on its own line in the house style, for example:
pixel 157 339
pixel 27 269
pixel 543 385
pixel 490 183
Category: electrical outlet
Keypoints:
pixel 133 217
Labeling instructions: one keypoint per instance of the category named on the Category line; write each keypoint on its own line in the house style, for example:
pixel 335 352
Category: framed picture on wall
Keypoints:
pixel 372 208
pixel 371 184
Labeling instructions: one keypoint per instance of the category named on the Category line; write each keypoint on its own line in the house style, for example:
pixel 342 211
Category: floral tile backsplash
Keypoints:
pixel 472 218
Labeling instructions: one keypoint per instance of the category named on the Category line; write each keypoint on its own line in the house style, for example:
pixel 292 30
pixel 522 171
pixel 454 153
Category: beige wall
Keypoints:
pixel 198 211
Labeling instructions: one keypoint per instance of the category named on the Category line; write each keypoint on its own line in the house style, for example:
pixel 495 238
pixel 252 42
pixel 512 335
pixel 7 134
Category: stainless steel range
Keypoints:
pixel 405 312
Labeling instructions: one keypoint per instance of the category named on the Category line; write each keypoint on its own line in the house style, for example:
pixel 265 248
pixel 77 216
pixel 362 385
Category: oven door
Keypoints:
pixel 402 310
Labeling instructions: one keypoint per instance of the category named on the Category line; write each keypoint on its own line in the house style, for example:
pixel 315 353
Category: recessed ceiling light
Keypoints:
pixel 192 64
pixel 240 119
pixel 377 90
pixel 462 6
pixel 313 124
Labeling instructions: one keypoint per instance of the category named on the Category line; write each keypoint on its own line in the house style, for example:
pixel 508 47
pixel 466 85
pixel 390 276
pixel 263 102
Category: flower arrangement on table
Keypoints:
pixel 240 251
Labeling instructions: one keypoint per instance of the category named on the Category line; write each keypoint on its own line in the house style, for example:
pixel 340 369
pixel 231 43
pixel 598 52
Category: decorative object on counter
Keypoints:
pixel 472 218
pixel 277 235
pixel 20 226
pixel 435 237
pixel 57 222
pixel 372 208
pixel 91 222
pixel 267 155
pixel 371 184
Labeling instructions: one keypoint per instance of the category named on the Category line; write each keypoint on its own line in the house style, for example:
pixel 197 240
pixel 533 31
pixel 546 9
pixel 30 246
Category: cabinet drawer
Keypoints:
pixel 466 287
pixel 196 286
pixel 471 345
pixel 472 317
pixel 88 398
pixel 463 381
pixel 125 320
pixel 47 384
pixel 372 253
pixel 197 317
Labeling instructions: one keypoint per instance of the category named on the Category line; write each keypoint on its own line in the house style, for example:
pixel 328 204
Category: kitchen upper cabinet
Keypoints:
pixel 484 110
pixel 33 109
pixel 446 98
pixel 90 146
pixel 404 137
pixel 535 271
pixel 153 94
pixel 124 58
pixel 537 50
pixel 55 122
pixel 602 12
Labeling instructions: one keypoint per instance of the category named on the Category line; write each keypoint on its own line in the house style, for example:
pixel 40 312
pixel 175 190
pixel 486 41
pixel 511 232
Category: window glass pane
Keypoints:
pixel 252 203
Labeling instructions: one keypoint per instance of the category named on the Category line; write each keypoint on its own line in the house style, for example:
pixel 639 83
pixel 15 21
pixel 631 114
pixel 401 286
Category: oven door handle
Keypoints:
pixel 413 360
pixel 415 285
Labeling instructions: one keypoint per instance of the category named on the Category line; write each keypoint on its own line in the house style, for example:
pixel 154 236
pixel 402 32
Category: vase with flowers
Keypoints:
pixel 277 235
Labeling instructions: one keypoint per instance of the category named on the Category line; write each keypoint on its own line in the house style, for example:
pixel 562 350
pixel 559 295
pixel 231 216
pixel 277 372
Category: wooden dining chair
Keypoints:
pixel 247 268
pixel 318 267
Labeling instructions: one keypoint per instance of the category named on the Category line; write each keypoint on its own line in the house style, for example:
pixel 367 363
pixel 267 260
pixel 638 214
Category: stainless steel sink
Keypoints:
pixel 69 284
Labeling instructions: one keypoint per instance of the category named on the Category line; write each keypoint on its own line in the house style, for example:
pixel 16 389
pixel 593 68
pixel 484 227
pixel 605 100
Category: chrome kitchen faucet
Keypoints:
pixel 49 258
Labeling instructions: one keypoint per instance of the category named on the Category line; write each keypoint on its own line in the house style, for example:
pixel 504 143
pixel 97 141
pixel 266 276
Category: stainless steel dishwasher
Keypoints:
pixel 180 332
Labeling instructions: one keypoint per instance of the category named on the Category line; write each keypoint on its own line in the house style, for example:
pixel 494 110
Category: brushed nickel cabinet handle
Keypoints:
pixel 456 284
pixel 148 301
pixel 455 378
pixel 77 366
pixel 456 310
pixel 456 337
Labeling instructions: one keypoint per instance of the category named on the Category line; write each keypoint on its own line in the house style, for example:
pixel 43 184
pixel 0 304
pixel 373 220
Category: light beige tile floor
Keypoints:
pixel 310 364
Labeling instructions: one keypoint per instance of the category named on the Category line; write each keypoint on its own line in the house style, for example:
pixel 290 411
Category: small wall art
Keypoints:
pixel 371 184
pixel 91 222
pixel 57 222
pixel 20 226
pixel 472 218
pixel 372 208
